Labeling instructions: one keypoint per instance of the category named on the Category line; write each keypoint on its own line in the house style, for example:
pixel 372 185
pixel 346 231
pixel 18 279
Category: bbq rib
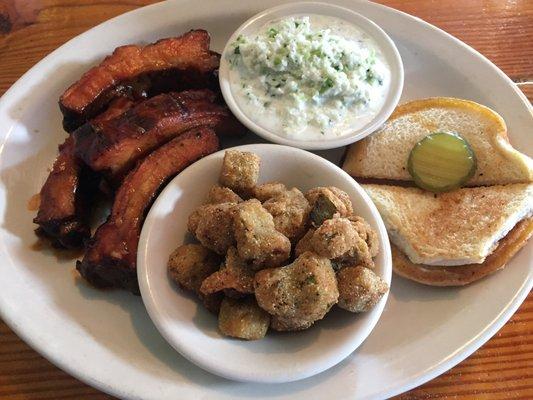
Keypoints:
pixel 137 72
pixel 64 197
pixel 116 108
pixel 113 147
pixel 61 212
pixel 110 260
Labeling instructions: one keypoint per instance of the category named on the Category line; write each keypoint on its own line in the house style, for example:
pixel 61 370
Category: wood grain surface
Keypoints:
pixel 501 30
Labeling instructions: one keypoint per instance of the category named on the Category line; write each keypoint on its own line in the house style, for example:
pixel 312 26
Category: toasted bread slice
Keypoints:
pixel 453 228
pixel 384 154
pixel 465 274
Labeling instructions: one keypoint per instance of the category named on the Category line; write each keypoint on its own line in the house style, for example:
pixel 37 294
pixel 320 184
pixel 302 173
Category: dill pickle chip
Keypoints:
pixel 441 161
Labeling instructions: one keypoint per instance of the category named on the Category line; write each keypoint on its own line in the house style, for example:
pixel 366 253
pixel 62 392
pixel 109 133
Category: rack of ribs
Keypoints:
pixel 111 256
pixel 136 72
pixel 112 147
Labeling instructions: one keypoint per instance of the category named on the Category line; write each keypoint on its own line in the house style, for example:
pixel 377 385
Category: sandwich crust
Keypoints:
pixel 453 228
pixel 464 274
pixel 384 154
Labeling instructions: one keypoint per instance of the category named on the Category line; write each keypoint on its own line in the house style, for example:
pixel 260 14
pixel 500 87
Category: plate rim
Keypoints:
pixel 408 383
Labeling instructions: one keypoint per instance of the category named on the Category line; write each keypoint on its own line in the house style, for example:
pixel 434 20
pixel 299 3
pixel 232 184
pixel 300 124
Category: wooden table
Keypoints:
pixel 501 30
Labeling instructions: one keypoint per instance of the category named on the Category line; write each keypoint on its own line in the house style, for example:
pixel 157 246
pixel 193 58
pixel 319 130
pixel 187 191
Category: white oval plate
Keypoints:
pixel 193 331
pixel 106 338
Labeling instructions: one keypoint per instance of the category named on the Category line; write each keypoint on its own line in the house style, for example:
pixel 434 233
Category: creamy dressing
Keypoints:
pixel 311 77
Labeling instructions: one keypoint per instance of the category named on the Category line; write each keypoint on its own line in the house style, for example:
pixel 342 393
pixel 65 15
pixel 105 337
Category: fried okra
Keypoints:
pixel 190 264
pixel 304 244
pixel 298 294
pixel 253 226
pixel 220 194
pixel 366 232
pixel 289 324
pixel 334 238
pixel 240 171
pixel 258 241
pixel 322 210
pixel 326 202
pixel 194 220
pixel 243 319
pixel 290 210
pixel 337 239
pixel 212 225
pixel 212 301
pixel 235 277
pixel 359 288
pixel 268 190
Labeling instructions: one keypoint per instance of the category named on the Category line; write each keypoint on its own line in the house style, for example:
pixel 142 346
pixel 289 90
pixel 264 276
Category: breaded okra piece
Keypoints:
pixel 298 294
pixel 240 171
pixel 258 241
pixel 360 289
pixel 243 319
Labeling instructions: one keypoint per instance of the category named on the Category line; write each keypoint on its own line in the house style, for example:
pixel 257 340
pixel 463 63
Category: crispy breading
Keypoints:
pixel 220 194
pixel 334 238
pixel 290 210
pixel 234 277
pixel 258 241
pixel 304 244
pixel 337 239
pixel 256 234
pixel 289 324
pixel 336 197
pixel 298 294
pixel 360 289
pixel 212 225
pixel 240 171
pixel 212 301
pixel 243 319
pixel 268 190
pixel 366 232
pixel 190 264
pixel 194 220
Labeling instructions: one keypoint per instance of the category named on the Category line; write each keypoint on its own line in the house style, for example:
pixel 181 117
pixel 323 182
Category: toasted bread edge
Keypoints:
pixel 499 140
pixel 465 274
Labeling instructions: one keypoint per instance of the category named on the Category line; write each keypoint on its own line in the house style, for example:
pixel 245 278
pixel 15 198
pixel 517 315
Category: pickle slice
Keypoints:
pixel 441 161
